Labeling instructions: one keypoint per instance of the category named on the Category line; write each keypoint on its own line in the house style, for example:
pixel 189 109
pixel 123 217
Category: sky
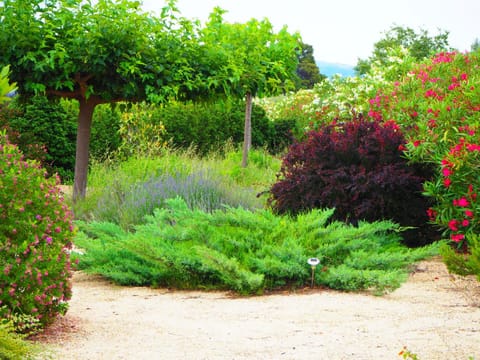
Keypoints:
pixel 342 31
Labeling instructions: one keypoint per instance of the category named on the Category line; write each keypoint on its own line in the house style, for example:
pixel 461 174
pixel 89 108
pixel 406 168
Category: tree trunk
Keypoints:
pixel 82 153
pixel 247 135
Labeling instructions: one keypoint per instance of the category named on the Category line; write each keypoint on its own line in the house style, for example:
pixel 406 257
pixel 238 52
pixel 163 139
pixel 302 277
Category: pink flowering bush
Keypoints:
pixel 35 235
pixel 438 107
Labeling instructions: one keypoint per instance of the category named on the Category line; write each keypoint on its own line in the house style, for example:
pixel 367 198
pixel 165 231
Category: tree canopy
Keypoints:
pixel 419 45
pixel 99 52
pixel 257 61
pixel 307 70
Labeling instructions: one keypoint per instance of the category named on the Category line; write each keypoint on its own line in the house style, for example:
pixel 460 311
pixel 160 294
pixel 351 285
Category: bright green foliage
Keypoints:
pixel 248 252
pixel 141 135
pixel 256 62
pixel 35 234
pixel 101 52
pixel 419 45
pixel 463 264
pixel 13 346
pixel 5 86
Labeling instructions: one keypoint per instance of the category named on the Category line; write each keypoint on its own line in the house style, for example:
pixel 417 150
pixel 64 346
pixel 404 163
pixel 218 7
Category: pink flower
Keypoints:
pixel 469 213
pixel 48 240
pixel 452 224
pixel 432 214
pixel 446 172
pixel 457 237
pixel 465 223
pixel 462 202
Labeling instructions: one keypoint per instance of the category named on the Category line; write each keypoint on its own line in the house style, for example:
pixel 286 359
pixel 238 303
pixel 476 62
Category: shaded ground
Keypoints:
pixel 436 315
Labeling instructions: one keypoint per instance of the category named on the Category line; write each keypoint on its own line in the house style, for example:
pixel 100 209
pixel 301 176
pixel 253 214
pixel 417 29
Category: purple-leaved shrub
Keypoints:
pixel 356 167
pixel 35 236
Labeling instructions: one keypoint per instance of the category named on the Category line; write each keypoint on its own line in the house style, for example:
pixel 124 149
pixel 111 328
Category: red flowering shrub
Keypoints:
pixel 438 107
pixel 357 168
pixel 35 233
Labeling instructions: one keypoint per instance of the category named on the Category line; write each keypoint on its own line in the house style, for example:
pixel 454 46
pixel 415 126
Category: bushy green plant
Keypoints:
pixel 207 127
pixel 35 234
pixel 13 346
pixel 246 251
pixel 42 122
pixel 141 133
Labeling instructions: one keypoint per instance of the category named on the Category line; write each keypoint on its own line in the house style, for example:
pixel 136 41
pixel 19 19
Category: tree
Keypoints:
pixel 98 52
pixel 307 70
pixel 257 61
pixel 476 45
pixel 419 45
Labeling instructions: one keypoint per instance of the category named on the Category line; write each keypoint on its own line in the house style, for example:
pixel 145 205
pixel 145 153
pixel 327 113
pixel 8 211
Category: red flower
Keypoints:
pixel 465 223
pixel 432 214
pixel 457 237
pixel 446 172
pixel 452 224
pixel 462 202
pixel 469 213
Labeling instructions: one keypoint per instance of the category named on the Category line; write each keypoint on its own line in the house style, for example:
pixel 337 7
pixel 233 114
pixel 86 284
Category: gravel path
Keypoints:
pixel 436 315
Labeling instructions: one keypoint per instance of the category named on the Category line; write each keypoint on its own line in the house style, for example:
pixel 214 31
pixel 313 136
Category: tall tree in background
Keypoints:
pixel 476 45
pixel 307 69
pixel 419 45
pixel 257 61
pixel 100 52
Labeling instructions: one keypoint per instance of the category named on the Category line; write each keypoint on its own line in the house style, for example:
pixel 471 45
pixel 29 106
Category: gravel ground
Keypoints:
pixel 435 315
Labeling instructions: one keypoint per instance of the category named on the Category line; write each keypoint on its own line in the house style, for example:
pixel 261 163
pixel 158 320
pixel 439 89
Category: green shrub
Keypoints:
pixel 463 263
pixel 246 251
pixel 207 127
pixel 141 134
pixel 35 234
pixel 42 122
pixel 13 346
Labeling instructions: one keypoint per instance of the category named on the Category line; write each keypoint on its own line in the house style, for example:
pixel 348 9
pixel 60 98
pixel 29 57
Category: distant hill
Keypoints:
pixel 329 69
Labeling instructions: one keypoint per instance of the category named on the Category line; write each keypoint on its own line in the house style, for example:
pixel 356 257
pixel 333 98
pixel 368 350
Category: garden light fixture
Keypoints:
pixel 313 262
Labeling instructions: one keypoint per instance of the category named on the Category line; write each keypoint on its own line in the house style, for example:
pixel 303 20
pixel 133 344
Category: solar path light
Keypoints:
pixel 313 262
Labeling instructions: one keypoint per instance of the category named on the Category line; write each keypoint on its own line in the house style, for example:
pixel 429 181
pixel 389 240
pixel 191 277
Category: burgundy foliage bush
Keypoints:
pixel 357 168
